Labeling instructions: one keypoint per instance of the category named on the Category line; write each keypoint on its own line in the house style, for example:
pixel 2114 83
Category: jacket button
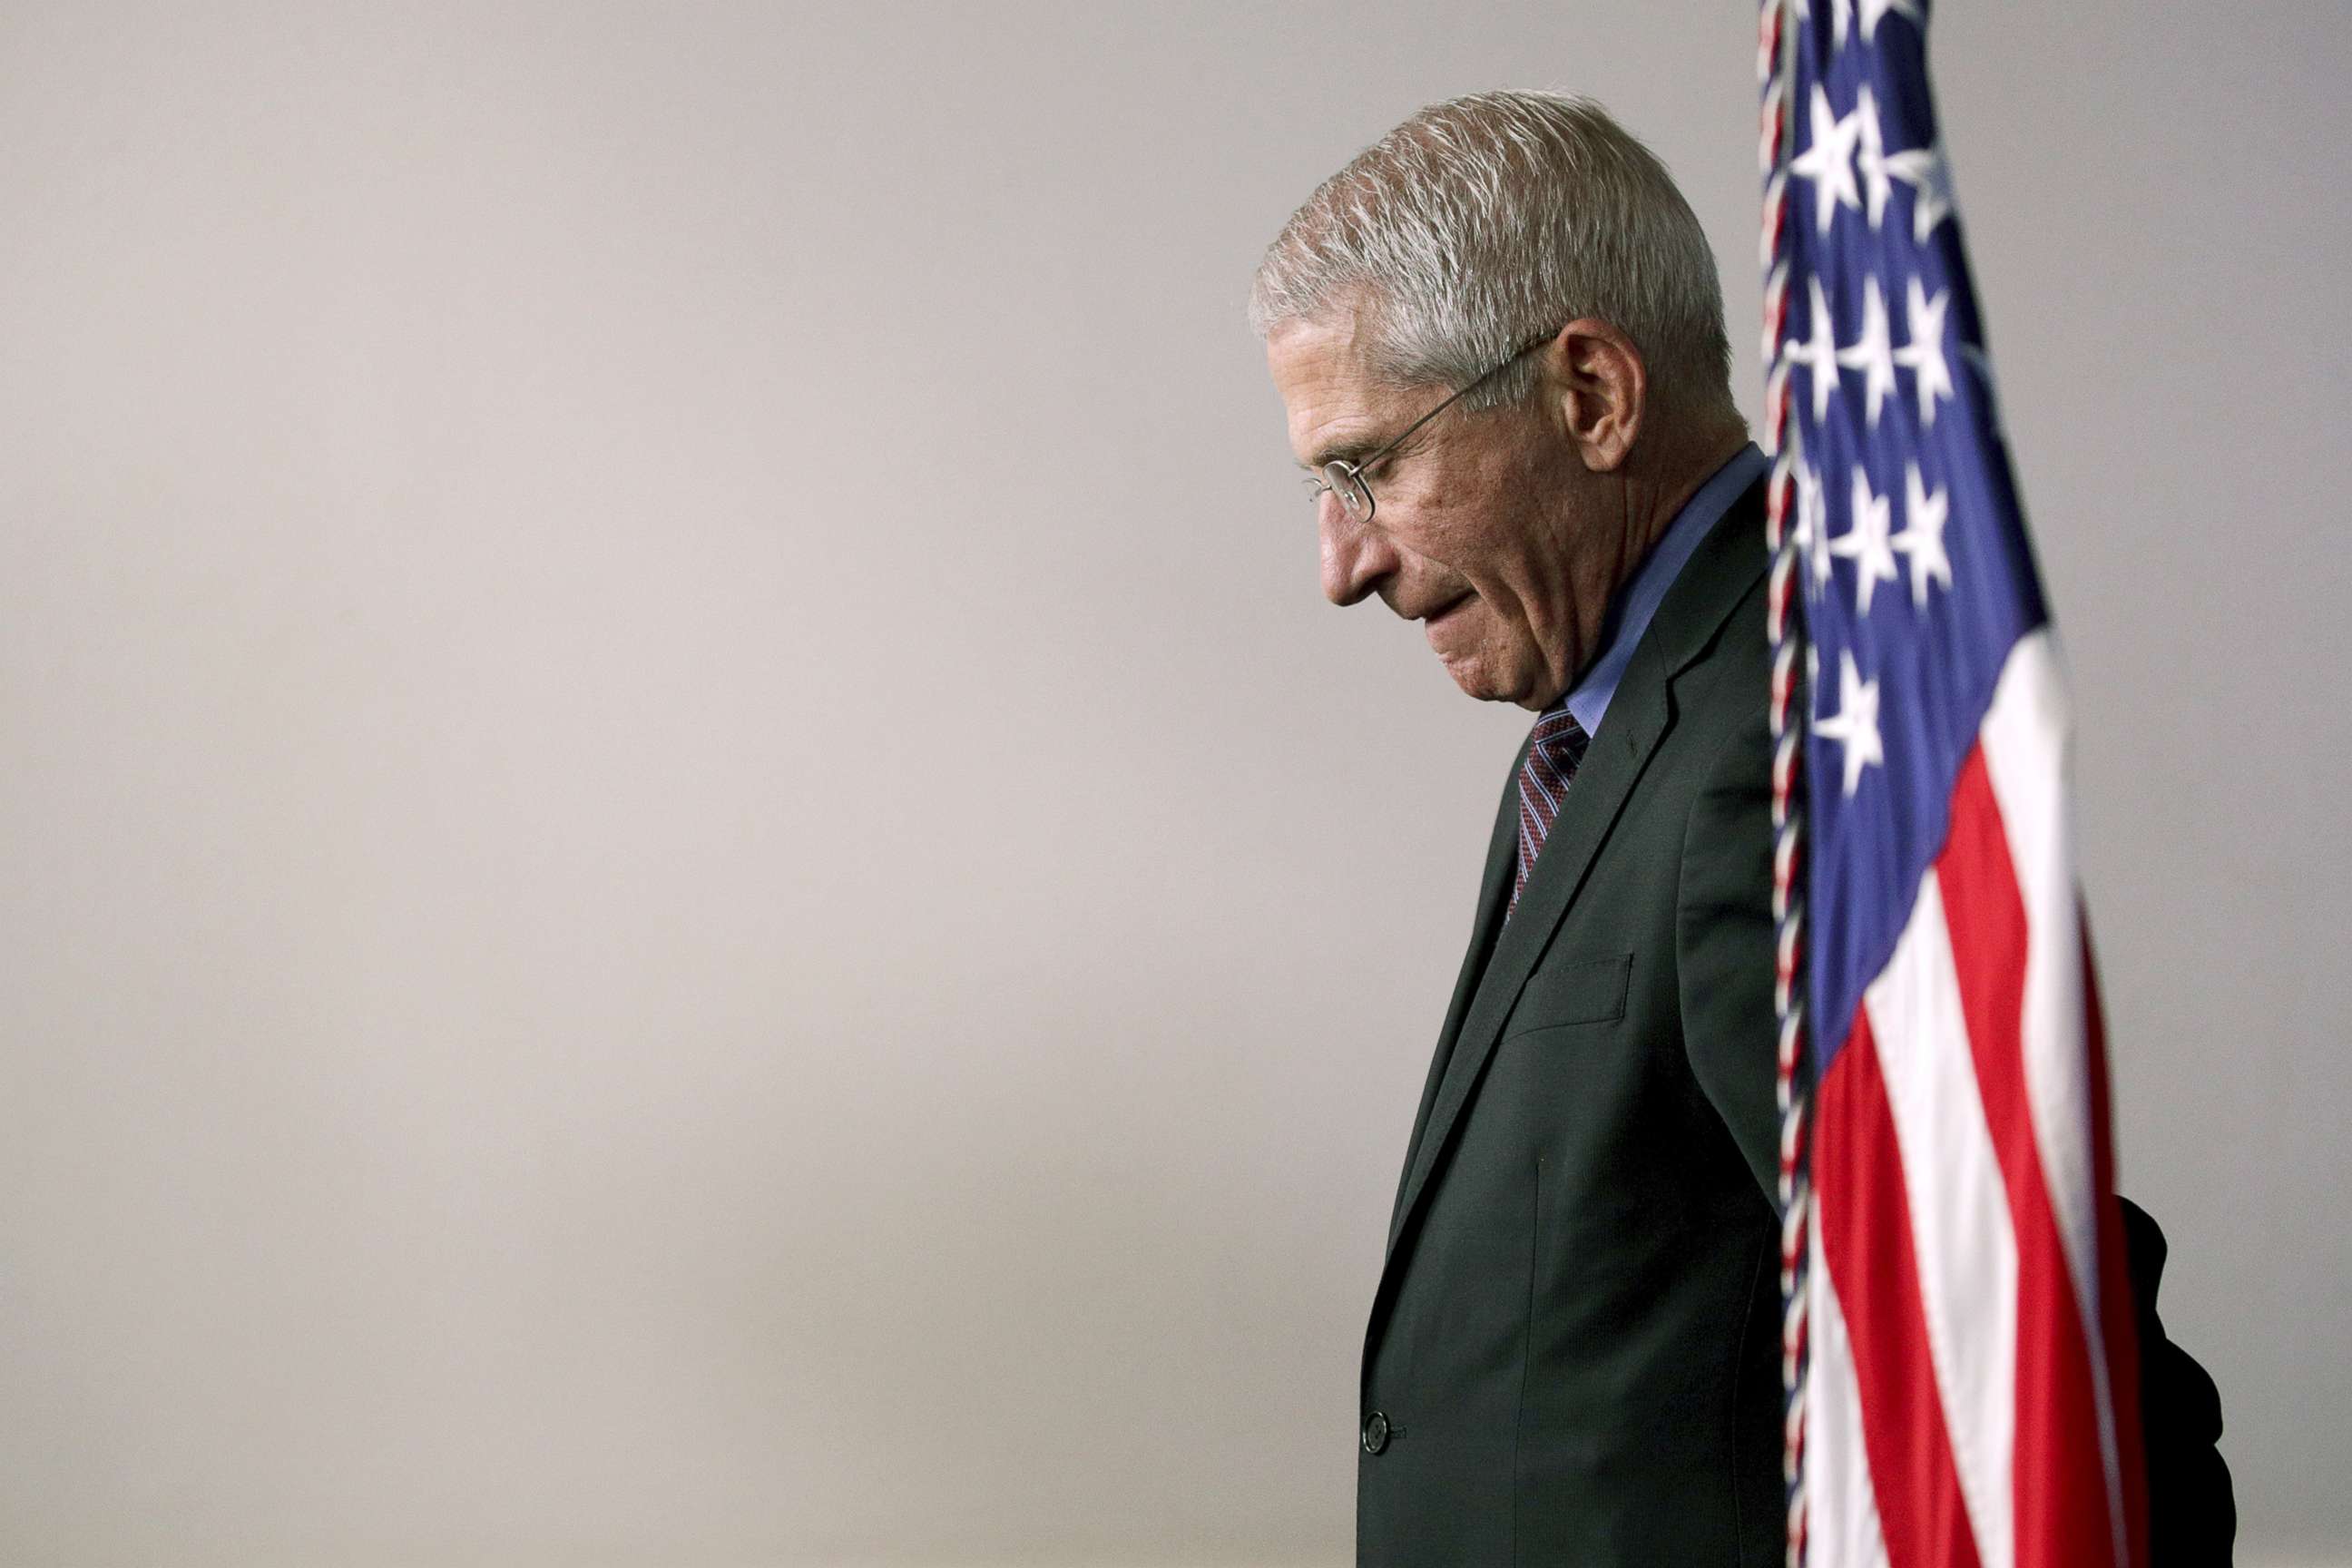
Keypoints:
pixel 1376 1432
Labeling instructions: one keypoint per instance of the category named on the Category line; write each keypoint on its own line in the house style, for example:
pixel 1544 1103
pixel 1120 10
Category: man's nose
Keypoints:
pixel 1355 556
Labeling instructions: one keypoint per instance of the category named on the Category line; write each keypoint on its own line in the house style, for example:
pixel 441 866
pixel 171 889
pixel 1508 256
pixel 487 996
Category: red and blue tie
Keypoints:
pixel 1553 753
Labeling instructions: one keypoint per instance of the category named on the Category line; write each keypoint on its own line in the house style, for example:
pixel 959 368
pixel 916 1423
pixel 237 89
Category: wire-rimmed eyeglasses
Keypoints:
pixel 1346 478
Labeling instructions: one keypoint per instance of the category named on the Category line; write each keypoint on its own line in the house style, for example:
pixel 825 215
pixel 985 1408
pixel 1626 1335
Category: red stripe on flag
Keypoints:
pixel 2061 1481
pixel 1866 1244
pixel 2121 1331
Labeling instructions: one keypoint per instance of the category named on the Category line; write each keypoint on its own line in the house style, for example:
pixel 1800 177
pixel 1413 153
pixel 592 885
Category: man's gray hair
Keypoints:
pixel 1485 221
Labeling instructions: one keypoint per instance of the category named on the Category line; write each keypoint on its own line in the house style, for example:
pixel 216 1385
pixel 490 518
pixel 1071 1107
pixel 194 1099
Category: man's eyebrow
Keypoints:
pixel 1347 447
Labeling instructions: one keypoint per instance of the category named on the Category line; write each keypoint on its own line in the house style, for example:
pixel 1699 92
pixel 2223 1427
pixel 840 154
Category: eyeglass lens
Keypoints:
pixel 1354 498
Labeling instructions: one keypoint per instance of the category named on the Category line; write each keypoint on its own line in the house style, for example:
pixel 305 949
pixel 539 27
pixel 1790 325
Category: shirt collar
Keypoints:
pixel 1638 600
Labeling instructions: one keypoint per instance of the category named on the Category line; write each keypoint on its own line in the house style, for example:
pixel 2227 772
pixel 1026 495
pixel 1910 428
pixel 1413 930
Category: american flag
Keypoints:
pixel 1958 1337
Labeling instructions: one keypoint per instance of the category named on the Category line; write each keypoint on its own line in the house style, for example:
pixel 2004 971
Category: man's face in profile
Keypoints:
pixel 1475 531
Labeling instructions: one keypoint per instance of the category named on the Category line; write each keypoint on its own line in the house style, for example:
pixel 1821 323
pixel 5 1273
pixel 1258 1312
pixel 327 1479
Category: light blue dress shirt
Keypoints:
pixel 1629 615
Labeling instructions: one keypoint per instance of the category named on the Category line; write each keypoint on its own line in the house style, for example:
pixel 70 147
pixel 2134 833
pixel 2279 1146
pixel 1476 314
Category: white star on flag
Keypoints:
pixel 1866 543
pixel 1870 157
pixel 1841 20
pixel 1818 353
pixel 1922 539
pixel 1930 178
pixel 1812 535
pixel 1854 726
pixel 1923 356
pixel 1829 162
pixel 1872 354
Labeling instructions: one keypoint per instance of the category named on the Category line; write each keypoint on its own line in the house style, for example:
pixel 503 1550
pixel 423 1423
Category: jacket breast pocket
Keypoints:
pixel 1578 991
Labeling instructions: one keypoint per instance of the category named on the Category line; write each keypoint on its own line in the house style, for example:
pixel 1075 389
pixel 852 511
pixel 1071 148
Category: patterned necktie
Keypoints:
pixel 1553 753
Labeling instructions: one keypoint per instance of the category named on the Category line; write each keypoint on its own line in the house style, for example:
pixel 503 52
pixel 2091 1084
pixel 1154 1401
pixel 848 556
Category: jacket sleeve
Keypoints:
pixel 1723 945
pixel 2193 1515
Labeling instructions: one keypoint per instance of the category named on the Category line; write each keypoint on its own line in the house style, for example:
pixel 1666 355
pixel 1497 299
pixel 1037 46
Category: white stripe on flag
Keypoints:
pixel 1959 1215
pixel 2026 736
pixel 1841 1508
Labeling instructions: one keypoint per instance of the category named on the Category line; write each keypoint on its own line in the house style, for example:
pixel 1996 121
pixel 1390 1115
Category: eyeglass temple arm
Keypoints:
pixel 1361 465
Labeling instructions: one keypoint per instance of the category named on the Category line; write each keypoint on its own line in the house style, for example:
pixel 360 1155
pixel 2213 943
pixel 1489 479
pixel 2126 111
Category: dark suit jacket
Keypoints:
pixel 1573 1351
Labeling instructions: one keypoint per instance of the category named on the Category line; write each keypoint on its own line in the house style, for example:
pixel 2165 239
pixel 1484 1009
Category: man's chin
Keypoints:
pixel 1477 677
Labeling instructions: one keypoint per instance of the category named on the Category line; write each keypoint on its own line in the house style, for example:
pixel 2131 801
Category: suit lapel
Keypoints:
pixel 1494 898
pixel 1611 764
pixel 1718 575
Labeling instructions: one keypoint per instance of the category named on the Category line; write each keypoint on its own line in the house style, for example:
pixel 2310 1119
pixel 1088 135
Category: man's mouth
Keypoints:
pixel 1430 618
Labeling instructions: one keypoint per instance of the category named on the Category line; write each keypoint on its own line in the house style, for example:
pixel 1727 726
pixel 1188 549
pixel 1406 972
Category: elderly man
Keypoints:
pixel 1498 337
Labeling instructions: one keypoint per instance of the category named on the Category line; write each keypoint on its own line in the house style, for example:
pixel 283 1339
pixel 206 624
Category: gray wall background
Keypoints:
pixel 691 876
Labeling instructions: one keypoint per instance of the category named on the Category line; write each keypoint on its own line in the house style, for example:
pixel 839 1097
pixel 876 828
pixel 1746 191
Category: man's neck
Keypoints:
pixel 1691 467
pixel 1645 585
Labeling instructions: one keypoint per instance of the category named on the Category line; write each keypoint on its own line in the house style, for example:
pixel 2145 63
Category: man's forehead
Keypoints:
pixel 1330 397
pixel 1318 356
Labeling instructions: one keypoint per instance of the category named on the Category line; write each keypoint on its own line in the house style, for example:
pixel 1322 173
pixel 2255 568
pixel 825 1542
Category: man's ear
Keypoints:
pixel 1599 389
